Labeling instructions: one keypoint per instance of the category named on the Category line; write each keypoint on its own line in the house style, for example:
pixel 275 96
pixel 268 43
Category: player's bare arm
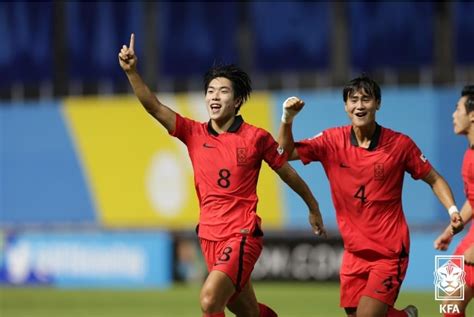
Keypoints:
pixel 128 62
pixel 444 239
pixel 291 177
pixel 291 107
pixel 442 190
pixel 469 255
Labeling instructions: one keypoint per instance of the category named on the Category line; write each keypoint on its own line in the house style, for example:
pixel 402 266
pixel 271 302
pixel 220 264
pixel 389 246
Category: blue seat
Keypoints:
pixel 26 36
pixel 95 33
pixel 291 36
pixel 464 32
pixel 390 35
pixel 194 35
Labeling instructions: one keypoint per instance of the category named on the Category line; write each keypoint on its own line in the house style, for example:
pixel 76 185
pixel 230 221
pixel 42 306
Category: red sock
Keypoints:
pixel 392 312
pixel 455 315
pixel 266 311
pixel 214 315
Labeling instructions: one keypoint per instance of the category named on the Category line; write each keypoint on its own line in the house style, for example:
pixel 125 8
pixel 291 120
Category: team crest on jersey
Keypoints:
pixel 379 173
pixel 241 155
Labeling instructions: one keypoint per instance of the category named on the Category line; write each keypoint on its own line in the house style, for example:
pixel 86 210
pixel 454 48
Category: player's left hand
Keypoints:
pixel 456 223
pixel 469 255
pixel 316 221
pixel 442 242
pixel 127 57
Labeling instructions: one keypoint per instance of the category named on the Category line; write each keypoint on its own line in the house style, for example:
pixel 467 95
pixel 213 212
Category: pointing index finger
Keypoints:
pixel 132 42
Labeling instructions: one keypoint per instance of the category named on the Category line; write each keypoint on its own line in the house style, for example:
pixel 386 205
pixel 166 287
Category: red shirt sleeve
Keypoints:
pixel 183 128
pixel 273 154
pixel 312 149
pixel 468 177
pixel 415 162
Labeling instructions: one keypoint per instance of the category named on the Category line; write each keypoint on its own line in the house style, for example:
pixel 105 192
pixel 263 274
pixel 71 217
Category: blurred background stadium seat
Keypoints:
pixel 58 49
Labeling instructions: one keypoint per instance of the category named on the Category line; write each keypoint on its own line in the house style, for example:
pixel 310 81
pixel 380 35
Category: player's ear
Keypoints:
pixel 471 117
pixel 378 105
pixel 238 102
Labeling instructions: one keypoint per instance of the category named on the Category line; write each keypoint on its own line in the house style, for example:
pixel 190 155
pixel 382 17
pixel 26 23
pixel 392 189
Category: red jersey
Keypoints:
pixel 366 185
pixel 468 178
pixel 226 168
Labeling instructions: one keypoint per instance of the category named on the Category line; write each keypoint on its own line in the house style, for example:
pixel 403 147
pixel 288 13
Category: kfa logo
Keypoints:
pixel 449 277
pixel 449 281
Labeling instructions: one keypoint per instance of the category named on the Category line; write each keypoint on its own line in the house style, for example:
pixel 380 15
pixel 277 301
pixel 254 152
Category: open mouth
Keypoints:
pixel 215 107
pixel 361 114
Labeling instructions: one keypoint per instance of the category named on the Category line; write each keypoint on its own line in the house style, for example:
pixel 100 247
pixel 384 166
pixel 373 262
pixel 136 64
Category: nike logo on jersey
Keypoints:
pixel 342 165
pixel 209 146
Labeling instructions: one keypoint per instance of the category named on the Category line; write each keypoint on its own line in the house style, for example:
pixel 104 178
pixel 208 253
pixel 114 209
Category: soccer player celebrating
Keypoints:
pixel 226 154
pixel 463 121
pixel 365 165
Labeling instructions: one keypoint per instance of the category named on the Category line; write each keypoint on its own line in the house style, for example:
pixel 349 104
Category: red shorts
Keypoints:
pixel 469 269
pixel 236 257
pixel 371 275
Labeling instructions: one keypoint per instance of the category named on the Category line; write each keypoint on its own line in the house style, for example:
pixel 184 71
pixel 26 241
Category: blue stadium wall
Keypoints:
pixel 105 162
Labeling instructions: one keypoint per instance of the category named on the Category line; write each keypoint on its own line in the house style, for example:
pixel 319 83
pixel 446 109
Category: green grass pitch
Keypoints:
pixel 288 299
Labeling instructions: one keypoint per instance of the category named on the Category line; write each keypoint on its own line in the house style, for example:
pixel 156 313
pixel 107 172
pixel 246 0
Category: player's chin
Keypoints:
pixel 361 122
pixel 459 131
pixel 215 116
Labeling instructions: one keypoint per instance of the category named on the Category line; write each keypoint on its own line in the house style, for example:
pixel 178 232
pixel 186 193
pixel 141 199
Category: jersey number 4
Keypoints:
pixel 360 194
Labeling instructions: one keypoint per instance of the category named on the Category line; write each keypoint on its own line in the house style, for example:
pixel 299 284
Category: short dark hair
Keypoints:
pixel 365 83
pixel 469 92
pixel 240 80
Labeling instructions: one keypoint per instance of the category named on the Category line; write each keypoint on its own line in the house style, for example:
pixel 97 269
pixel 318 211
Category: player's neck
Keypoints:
pixel 221 126
pixel 364 134
pixel 470 137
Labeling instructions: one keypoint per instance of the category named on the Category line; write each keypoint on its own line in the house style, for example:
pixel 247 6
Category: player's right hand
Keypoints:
pixel 316 221
pixel 127 57
pixel 442 242
pixel 291 107
pixel 456 223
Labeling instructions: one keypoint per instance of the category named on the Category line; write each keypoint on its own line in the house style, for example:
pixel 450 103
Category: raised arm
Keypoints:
pixel 128 62
pixel 291 107
pixel 442 190
pixel 291 177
